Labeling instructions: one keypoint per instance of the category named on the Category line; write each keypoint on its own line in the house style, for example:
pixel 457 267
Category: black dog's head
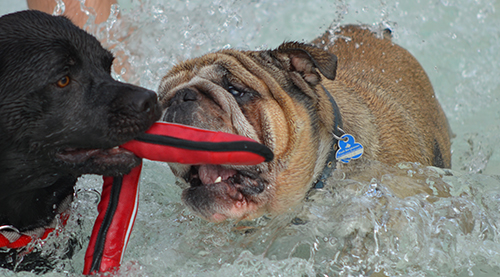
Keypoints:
pixel 61 113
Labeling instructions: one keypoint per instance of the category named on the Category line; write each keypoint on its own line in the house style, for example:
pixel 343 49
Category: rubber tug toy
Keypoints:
pixel 117 209
pixel 165 142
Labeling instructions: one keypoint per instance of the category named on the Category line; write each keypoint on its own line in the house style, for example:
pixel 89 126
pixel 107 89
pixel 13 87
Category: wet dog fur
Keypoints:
pixel 280 98
pixel 61 115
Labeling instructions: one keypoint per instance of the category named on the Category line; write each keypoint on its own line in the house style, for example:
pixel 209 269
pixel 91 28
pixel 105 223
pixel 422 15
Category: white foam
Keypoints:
pixel 456 43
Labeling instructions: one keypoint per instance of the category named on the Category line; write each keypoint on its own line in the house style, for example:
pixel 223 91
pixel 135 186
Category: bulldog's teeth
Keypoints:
pixel 218 180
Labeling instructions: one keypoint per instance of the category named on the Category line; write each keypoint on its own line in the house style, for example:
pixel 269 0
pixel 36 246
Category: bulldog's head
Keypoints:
pixel 273 97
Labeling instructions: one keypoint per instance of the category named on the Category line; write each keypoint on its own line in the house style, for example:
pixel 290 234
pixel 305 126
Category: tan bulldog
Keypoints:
pixel 301 100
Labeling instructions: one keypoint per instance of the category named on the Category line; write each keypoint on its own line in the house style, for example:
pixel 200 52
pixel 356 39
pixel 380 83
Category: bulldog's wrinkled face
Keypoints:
pixel 268 96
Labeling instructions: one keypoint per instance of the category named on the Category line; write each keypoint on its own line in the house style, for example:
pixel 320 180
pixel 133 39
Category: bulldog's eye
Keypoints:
pixel 235 92
pixel 64 81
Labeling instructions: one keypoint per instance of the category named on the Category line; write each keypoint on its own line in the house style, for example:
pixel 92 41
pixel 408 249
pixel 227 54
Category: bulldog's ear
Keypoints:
pixel 305 59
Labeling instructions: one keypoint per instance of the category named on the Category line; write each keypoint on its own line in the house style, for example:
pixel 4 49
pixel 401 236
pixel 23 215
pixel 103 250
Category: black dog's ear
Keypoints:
pixel 305 59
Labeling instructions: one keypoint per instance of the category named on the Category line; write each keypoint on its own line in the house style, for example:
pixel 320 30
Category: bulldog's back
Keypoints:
pixel 373 73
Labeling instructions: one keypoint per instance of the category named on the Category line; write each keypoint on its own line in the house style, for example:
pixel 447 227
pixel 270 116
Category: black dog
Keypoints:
pixel 61 115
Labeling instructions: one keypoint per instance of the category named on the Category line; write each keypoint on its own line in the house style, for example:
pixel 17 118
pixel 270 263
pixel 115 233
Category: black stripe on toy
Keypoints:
pixel 246 146
pixel 106 222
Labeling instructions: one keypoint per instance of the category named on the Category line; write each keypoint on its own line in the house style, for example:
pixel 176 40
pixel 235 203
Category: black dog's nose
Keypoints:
pixel 143 101
pixel 132 98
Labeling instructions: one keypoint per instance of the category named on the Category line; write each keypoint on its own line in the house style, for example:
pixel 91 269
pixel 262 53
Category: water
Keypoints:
pixel 359 227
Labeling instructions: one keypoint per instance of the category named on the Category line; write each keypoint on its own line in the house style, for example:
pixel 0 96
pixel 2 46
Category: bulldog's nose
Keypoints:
pixel 180 108
pixel 185 95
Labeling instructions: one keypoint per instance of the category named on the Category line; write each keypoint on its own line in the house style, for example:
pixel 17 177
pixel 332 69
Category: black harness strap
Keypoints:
pixel 330 160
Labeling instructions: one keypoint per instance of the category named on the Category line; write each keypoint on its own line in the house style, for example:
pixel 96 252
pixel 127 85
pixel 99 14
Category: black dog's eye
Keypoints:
pixel 236 93
pixel 64 81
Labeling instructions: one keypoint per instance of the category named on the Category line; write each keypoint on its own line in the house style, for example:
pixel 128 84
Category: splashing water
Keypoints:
pixel 349 228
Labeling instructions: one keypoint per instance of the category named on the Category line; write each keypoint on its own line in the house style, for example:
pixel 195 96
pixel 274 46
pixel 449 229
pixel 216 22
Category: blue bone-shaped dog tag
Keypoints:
pixel 348 149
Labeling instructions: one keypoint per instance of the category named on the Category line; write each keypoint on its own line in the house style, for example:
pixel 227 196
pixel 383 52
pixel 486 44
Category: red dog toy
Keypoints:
pixel 162 142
